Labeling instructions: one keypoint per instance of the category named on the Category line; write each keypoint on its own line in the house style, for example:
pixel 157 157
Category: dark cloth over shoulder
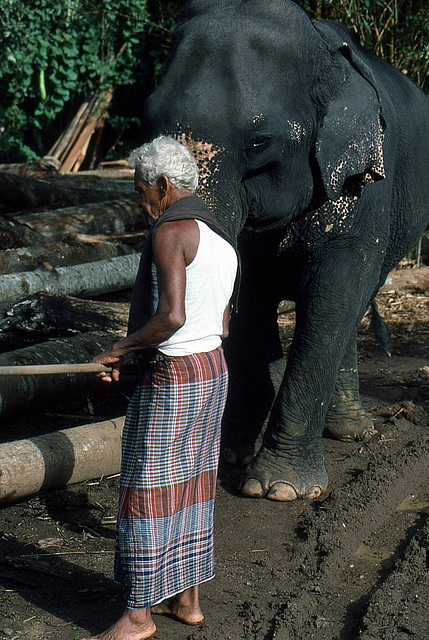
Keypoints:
pixel 189 208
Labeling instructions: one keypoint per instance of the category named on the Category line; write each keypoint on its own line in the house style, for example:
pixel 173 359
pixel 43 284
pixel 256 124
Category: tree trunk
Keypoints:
pixel 14 234
pixel 82 280
pixel 135 238
pixel 46 317
pixel 55 460
pixel 20 393
pixel 60 254
pixel 412 279
pixel 101 217
pixel 19 192
pixel 46 166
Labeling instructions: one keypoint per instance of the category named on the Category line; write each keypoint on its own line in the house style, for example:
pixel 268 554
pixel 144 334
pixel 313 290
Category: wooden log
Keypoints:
pixel 48 165
pixel 134 238
pixel 408 279
pixel 60 254
pixel 18 394
pixel 77 153
pixel 117 216
pixel 14 234
pixel 46 317
pixel 19 192
pixel 82 280
pixel 54 460
pixel 68 137
pixel 82 129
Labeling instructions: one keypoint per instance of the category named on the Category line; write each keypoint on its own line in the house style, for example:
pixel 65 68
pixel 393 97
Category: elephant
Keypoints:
pixel 312 154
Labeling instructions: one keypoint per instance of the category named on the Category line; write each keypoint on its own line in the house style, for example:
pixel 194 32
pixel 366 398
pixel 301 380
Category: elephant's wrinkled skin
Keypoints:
pixel 315 152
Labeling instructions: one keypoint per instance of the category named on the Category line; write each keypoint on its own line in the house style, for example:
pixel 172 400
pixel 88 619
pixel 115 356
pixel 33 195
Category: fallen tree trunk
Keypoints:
pixel 135 238
pixel 100 217
pixel 60 254
pixel 19 192
pixel 48 165
pixel 55 460
pixel 14 234
pixel 82 280
pixel 19 393
pixel 45 317
pixel 411 279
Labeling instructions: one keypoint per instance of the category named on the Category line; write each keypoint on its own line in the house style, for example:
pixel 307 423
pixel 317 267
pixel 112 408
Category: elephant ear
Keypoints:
pixel 350 139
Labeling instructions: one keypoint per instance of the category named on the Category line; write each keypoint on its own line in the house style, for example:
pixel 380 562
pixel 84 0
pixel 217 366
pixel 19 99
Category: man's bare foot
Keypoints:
pixel 183 613
pixel 184 607
pixel 135 624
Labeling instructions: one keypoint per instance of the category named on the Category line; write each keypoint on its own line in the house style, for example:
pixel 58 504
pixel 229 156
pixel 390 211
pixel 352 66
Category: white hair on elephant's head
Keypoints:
pixel 330 220
pixel 259 118
pixel 206 156
pixel 372 142
pixel 297 132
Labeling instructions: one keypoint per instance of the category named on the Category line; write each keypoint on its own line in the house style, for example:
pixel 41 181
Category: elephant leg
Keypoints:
pixel 334 297
pixel 347 419
pixel 254 343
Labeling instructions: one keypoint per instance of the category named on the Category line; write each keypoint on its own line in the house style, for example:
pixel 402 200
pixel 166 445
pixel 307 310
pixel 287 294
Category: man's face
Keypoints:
pixel 150 197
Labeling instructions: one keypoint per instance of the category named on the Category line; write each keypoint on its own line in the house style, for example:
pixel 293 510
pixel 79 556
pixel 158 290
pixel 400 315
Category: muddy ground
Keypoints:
pixel 353 564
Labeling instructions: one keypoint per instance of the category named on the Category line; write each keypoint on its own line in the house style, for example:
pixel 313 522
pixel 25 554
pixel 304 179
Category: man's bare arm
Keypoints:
pixel 225 322
pixel 173 246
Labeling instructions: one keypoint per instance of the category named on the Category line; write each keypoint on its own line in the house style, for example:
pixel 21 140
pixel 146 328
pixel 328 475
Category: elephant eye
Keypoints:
pixel 258 143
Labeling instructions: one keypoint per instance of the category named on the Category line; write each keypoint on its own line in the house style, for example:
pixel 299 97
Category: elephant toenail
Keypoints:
pixel 252 488
pixel 314 493
pixel 282 492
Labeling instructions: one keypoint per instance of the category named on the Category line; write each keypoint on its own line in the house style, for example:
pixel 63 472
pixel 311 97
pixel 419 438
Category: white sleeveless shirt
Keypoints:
pixel 209 285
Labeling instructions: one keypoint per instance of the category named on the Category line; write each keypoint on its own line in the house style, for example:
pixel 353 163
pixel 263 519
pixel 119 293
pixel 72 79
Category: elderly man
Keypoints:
pixel 179 314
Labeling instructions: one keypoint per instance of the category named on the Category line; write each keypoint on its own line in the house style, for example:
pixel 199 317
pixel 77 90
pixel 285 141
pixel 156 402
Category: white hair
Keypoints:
pixel 166 156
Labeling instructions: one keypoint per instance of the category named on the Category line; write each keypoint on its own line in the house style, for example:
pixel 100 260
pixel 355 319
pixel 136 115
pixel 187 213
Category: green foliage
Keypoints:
pixel 54 53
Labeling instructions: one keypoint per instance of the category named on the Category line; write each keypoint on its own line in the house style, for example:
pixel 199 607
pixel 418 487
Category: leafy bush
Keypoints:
pixel 54 53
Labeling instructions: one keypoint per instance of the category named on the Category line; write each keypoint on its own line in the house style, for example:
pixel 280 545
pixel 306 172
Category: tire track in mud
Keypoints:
pixel 325 602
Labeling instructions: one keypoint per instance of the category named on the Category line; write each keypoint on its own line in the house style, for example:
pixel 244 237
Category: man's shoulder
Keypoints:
pixel 175 228
pixel 176 236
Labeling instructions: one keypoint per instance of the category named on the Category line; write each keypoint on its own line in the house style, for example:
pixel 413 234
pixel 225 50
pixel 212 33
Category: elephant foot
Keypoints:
pixel 269 477
pixel 349 422
pixel 238 457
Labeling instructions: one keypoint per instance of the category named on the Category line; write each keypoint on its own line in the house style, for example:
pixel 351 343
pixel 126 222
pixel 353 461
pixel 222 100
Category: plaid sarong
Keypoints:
pixel 170 458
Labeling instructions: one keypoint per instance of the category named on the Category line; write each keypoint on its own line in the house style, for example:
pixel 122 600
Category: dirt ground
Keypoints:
pixel 353 564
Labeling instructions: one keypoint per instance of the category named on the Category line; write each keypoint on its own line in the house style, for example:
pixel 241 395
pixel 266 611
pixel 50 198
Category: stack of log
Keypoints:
pixel 71 147
pixel 82 250
pixel 63 239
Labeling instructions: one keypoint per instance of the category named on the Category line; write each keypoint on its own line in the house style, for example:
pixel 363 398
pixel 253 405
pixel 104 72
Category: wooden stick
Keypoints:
pixel 41 369
pixel 44 369
pixel 62 142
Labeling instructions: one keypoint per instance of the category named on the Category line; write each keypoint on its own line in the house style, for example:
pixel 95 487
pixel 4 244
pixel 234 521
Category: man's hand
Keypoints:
pixel 109 360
